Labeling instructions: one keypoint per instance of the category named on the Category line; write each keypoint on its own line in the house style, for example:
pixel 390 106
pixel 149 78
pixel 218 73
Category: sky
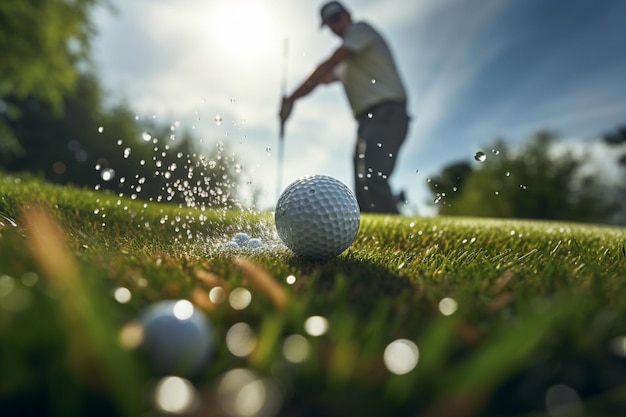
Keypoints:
pixel 475 70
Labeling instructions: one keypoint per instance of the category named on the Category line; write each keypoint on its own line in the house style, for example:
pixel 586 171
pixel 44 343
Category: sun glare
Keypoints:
pixel 244 28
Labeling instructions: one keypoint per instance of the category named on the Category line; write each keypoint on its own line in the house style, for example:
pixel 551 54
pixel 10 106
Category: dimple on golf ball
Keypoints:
pixel 317 217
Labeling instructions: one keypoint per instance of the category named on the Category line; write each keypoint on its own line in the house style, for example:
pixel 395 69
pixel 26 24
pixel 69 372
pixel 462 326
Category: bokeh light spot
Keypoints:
pixel 240 298
pixel 241 340
pixel 296 348
pixel 448 306
pixel 175 395
pixel 122 295
pixel 401 356
pixel 183 310
pixel 316 325
pixel 217 295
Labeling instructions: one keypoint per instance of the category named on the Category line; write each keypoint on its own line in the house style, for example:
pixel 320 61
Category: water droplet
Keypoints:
pixel 218 120
pixel 107 174
pixel 480 156
pixel 100 129
pixel 373 81
pixel 508 174
pixel 495 152
pixel 370 115
pixel 126 153
pixel 268 149
pixel 147 137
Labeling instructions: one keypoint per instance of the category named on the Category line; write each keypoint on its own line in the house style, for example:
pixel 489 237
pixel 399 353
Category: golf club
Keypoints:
pixel 281 135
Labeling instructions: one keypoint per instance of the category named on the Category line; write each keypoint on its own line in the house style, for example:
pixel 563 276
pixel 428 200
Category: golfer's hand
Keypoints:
pixel 285 109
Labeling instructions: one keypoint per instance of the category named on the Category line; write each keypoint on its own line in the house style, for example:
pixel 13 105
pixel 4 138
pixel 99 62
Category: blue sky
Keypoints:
pixel 475 70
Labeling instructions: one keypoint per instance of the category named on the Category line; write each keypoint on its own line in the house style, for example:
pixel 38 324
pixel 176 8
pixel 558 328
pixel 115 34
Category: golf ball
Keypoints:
pixel 177 338
pixel 317 217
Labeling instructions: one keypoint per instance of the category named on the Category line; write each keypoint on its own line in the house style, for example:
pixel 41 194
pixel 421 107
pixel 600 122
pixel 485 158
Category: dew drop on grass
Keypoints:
pixel 480 156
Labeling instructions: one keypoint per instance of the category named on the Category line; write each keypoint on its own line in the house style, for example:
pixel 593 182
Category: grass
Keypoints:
pixel 535 316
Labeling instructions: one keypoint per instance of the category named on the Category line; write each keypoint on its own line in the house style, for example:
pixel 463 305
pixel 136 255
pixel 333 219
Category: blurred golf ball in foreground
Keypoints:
pixel 177 338
pixel 317 217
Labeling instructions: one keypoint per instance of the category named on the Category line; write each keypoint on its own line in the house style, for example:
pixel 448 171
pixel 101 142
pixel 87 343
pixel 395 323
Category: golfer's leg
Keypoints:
pixel 383 139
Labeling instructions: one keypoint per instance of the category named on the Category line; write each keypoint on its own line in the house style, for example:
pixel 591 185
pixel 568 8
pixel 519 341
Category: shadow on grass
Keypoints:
pixel 359 284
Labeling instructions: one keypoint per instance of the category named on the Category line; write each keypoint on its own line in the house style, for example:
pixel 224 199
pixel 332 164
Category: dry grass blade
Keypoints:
pixel 263 281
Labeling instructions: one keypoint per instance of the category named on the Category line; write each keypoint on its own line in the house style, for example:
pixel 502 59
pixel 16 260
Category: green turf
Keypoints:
pixel 541 312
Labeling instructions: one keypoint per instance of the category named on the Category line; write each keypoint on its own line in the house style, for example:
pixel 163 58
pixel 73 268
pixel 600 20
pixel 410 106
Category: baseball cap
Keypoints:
pixel 330 9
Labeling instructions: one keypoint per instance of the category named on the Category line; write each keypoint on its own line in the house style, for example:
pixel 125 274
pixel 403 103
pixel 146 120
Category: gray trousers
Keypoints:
pixel 382 130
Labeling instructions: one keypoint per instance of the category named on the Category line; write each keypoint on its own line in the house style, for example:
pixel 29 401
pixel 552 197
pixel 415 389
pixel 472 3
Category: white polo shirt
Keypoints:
pixel 370 75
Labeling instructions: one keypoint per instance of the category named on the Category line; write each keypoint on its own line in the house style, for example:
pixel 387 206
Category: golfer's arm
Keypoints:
pixel 322 74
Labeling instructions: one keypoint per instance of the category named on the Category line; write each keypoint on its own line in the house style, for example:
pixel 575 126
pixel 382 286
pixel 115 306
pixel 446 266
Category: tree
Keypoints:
pixel 617 141
pixel 108 149
pixel 533 182
pixel 43 43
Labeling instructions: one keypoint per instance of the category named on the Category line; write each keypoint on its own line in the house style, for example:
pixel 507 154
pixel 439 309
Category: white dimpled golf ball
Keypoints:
pixel 317 217
pixel 177 338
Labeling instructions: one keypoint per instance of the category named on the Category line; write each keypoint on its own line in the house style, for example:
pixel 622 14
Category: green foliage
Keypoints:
pixel 539 306
pixel 617 141
pixel 42 42
pixel 67 148
pixel 532 182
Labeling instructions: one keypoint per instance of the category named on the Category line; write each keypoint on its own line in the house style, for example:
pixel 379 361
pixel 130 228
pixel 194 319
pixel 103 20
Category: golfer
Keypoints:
pixel 364 65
